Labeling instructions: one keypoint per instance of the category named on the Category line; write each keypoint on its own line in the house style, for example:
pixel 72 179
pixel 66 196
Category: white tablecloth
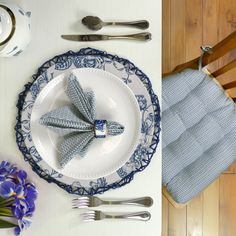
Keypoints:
pixel 50 19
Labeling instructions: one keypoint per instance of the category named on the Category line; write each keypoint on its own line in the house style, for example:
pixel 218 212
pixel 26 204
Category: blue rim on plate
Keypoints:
pixel 64 61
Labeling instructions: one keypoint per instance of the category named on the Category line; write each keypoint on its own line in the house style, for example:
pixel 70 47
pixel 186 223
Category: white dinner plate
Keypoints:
pixel 132 77
pixel 114 101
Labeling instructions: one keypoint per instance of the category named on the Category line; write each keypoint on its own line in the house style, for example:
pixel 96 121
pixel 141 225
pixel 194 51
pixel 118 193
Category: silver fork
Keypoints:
pixel 99 215
pixel 83 202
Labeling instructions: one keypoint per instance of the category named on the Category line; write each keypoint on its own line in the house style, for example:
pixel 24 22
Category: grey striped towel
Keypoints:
pixel 77 123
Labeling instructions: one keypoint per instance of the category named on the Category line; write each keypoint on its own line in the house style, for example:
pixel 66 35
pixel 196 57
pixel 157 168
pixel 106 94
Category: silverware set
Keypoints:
pixel 94 215
pixel 95 23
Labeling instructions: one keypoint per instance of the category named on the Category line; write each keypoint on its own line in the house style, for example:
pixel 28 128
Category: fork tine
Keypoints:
pixel 88 214
pixel 80 204
pixel 79 207
pixel 80 198
pixel 88 217
pixel 88 220
pixel 80 201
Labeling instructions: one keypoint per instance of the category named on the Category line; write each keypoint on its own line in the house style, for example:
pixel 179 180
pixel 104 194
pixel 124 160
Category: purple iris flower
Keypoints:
pixel 13 185
pixel 9 189
pixel 6 170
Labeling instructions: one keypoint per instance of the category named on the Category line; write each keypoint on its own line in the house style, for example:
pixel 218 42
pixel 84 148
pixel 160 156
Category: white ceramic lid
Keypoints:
pixel 6 24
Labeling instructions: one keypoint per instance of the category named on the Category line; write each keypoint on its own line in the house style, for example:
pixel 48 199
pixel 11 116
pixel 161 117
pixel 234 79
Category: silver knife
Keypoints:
pixel 98 37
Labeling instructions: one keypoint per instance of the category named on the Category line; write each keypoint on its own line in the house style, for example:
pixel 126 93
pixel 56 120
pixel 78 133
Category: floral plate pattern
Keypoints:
pixel 132 77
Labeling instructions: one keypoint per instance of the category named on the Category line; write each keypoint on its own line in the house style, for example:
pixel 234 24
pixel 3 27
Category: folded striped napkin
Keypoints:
pixel 77 123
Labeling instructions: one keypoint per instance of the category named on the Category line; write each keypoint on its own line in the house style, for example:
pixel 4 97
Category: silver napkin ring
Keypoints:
pixel 100 128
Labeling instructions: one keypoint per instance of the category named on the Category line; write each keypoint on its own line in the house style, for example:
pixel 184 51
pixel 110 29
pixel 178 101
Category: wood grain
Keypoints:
pixel 227 24
pixel 165 216
pixel 177 40
pixel 227 205
pixel 209 21
pixel 165 68
pixel 190 24
pixel 210 217
pixel 177 221
pixel 177 218
pixel 166 36
pixel 193 37
pixel 193 26
pixel 194 217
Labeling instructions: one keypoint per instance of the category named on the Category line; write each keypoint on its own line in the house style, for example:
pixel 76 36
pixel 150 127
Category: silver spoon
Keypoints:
pixel 95 23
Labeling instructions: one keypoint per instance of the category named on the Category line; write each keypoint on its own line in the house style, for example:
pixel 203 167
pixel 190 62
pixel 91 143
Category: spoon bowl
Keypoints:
pixel 93 22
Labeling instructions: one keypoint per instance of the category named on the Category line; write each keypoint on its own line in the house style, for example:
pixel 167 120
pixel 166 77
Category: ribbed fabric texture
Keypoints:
pixel 199 133
pixel 76 122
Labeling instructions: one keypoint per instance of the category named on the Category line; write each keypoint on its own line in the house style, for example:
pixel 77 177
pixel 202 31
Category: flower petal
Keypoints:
pixel 19 190
pixel 17 212
pixel 21 175
pixel 7 189
pixel 31 192
pixel 17 230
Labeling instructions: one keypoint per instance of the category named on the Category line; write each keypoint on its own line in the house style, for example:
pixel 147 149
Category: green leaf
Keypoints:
pixel 6 224
pixel 2 199
pixel 5 211
pixel 6 202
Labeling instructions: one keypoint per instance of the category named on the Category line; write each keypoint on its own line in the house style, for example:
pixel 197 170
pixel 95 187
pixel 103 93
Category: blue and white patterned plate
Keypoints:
pixel 134 78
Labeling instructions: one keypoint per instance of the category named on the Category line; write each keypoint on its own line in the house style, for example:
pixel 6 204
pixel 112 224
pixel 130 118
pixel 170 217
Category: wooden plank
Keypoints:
pixel 166 36
pixel 193 41
pixel 210 220
pixel 177 217
pixel 177 221
pixel 165 216
pixel 177 41
pixel 227 205
pixel 176 13
pixel 193 26
pixel 194 216
pixel 227 17
pixel 210 20
pixel 222 70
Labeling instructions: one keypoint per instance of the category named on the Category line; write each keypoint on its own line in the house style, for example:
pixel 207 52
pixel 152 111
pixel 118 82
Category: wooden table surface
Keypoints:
pixel 188 24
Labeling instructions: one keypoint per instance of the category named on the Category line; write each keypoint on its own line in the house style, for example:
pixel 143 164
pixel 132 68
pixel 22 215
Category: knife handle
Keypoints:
pixel 141 36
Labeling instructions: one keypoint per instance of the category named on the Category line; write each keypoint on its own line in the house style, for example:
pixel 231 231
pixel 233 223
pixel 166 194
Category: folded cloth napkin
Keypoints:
pixel 77 123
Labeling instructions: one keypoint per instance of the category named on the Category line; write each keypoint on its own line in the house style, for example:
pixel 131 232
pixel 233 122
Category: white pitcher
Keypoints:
pixel 14 29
